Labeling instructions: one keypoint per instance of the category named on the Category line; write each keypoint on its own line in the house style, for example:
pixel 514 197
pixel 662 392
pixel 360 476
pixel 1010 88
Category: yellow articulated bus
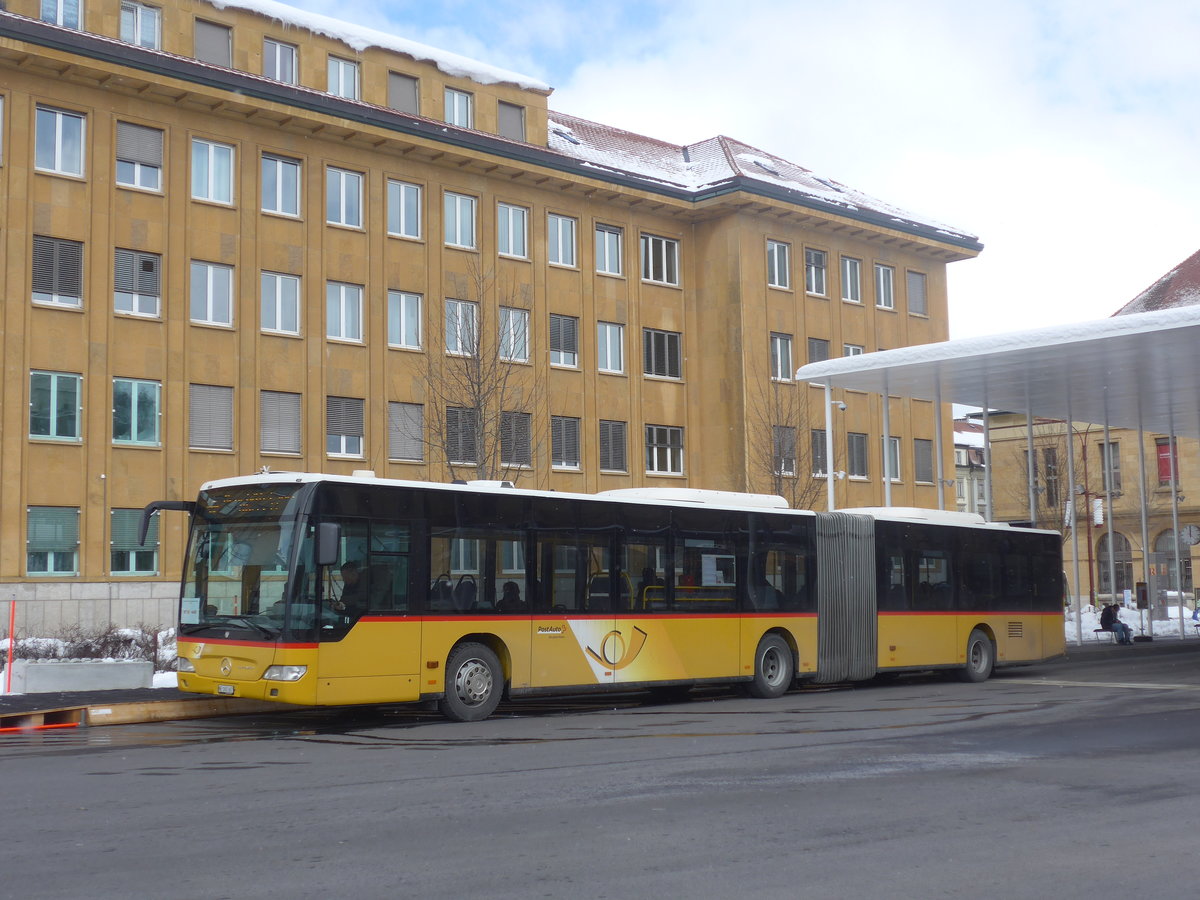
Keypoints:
pixel 323 590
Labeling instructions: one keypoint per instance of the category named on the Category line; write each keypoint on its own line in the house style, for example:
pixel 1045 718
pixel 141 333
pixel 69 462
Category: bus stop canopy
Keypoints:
pixel 1133 371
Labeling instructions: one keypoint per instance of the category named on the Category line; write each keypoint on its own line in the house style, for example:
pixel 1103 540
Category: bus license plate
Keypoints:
pixel 225 689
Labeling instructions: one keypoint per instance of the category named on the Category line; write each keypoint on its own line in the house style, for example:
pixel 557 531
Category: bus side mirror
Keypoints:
pixel 329 539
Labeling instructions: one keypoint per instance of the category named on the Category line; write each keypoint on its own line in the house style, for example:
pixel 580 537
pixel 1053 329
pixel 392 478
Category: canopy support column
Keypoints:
pixel 987 457
pixel 887 443
pixel 830 498
pixel 1141 439
pixel 1073 518
pixel 937 433
pixel 1030 463
pixel 1108 498
pixel 1175 526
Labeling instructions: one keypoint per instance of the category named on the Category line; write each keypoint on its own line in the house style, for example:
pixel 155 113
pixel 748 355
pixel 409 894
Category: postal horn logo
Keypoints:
pixel 615 652
pixel 226 666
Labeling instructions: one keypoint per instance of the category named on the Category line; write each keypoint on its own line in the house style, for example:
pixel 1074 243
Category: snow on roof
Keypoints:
pixel 1179 287
pixel 359 38
pixel 715 161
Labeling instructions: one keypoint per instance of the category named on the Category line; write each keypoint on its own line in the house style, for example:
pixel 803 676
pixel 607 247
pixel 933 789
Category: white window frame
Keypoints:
pixel 56 380
pixel 215 277
pixel 55 559
pixel 660 259
pixel 138 174
pixel 615 429
pixel 134 24
pixel 894 442
pixel 67 134
pixel 609 239
pixel 58 12
pixel 911 281
pixel 275 172
pixel 348 446
pixel 671 357
pixel 779 271
pixel 610 347
pixel 516 439
pixel 565 350
pixel 853 349
pixel 816 272
pixel 208 182
pixel 564 442
pixel 921 447
pixel 885 286
pixel 459 108
pixel 462 327
pixel 459 218
pixel 280 417
pixel 210 417
pixel 857 445
pixel 781 357
pixel 512 230
pixel 783 439
pixel 60 276
pixel 343 197
pixel 136 400
pixel 851 279
pixel 406 431
pixel 818 453
pixel 403 209
pixel 137 303
pixel 560 240
pixel 404 320
pixel 280 60
pixel 280 303
pixel 514 334
pixel 140 559
pixel 664 456
pixel 344 311
pixel 342 77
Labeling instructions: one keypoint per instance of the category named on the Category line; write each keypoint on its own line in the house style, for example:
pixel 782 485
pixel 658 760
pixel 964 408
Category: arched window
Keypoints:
pixel 1164 555
pixel 1123 559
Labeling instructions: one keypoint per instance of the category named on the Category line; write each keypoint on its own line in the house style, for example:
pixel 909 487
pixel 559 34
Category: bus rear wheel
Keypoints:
pixel 981 656
pixel 474 682
pixel 773 668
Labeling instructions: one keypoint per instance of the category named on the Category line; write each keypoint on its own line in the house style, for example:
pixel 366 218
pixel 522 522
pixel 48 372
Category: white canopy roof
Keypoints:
pixel 1127 370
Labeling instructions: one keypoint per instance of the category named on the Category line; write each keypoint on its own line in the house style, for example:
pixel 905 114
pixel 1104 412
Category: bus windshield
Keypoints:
pixel 236 571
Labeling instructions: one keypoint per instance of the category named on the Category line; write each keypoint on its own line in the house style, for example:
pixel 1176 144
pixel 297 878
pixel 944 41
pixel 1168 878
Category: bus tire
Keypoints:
pixel 981 657
pixel 474 683
pixel 773 668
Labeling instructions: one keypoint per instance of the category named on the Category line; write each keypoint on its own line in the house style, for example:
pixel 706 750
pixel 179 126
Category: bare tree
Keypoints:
pixel 779 449
pixel 484 397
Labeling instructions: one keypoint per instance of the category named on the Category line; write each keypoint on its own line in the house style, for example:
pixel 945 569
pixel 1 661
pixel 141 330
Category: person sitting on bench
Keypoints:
pixel 1110 620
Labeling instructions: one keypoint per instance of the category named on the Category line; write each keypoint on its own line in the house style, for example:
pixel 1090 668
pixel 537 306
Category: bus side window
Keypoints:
pixel 780 581
pixel 892 593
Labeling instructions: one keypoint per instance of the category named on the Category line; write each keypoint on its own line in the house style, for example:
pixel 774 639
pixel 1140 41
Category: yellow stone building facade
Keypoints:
pixel 240 236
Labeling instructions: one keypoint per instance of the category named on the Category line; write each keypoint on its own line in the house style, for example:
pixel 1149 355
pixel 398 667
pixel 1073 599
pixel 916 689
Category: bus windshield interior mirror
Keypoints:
pixel 329 538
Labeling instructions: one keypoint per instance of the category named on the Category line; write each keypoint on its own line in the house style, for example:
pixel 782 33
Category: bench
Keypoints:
pixel 1112 635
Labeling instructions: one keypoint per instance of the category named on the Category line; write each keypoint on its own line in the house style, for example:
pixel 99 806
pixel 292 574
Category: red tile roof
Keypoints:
pixel 1179 287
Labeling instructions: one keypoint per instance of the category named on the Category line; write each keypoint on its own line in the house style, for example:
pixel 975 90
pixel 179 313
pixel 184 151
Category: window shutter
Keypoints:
pixel 213 43
pixel 137 273
pixel 512 121
pixel 210 417
pixel 564 440
pixel 406 422
pixel 612 446
pixel 125 272
pixel 57 266
pixel 556 338
pixel 139 144
pixel 123 534
pixel 53 529
pixel 460 435
pixel 570 334
pixel 344 415
pixel 280 422
pixel 403 94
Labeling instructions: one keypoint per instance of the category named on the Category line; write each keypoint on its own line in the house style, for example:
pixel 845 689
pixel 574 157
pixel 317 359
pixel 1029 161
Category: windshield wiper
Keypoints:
pixel 261 629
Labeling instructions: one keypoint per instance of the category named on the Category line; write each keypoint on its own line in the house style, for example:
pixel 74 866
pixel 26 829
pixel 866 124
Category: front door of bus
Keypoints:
pixel 573 639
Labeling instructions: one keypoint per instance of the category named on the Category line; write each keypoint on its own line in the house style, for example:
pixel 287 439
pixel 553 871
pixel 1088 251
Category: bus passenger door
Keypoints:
pixel 573 628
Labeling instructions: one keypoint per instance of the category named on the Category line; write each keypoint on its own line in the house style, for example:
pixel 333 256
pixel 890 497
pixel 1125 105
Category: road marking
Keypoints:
pixel 1140 686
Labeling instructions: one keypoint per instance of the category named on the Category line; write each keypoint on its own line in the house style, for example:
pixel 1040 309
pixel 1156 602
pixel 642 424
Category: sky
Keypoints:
pixel 1063 133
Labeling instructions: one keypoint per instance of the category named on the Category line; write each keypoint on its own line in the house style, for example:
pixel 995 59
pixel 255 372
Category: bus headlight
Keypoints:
pixel 284 673
pixel 184 665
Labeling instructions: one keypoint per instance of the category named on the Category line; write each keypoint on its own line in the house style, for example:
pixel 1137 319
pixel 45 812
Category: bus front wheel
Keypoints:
pixel 773 668
pixel 981 656
pixel 474 682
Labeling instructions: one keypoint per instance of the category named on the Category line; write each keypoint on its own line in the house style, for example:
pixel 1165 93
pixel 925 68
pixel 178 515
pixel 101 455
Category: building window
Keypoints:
pixel 406 428
pixel 279 422
pixel 514 334
pixel 1110 465
pixel 212 294
pixel 856 455
pixel 612 446
pixel 343 78
pixel 137 282
pixel 515 439
pixel 820 459
pixel 460 220
pixel 660 259
pixel 462 334
pixel 343 311
pixel 610 347
pixel 511 119
pixel 781 357
pixel 664 450
pixel 779 264
pixel 1168 461
pixel 136 411
pixel 460 436
pixel 279 61
pixel 57 276
pixel 52 540
pixel 55 405
pixel 343 426
pixel 129 556
pixel 213 43
pixel 67 13
pixel 885 290
pixel 343 198
pixel 1050 457
pixel 923 460
pixel 511 230
pixel 280 185
pixel 783 450
pixel 404 320
pixel 564 442
pixel 814 272
pixel 210 417
pixel 893 458
pixel 564 340
pixel 661 353
pixel 212 171
pixel 404 93
pixel 818 350
pixel 852 349
pixel 917 303
pixel 458 108
pixel 403 209
pixel 851 279
pixel 58 146
pixel 280 303
pixel 560 240
pixel 139 156
pixel 608 249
